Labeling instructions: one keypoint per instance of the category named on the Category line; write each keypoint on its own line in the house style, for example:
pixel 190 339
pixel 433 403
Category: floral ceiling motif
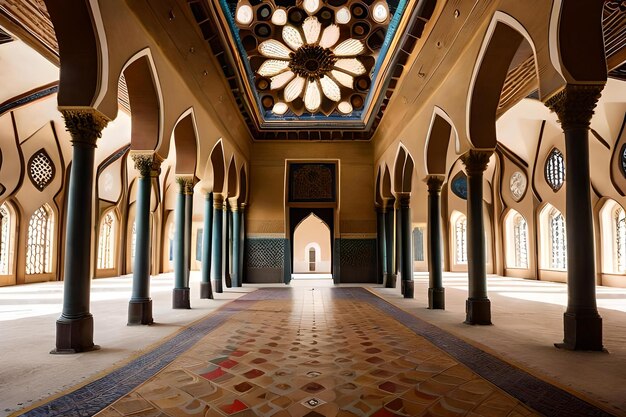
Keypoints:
pixel 312 57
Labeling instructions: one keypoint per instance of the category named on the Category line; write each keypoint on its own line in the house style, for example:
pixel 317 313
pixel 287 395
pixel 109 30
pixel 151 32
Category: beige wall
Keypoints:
pixel 311 232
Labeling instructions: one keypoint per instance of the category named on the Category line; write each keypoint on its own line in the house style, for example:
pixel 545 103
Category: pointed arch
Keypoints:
pixel 516 240
pixel 243 185
pixel 186 139
pixel 8 224
pixel 146 101
pixel 437 141
pixel 386 190
pixel 215 171
pixel 613 237
pixel 232 188
pixel 498 50
pixel 378 197
pixel 553 238
pixel 107 236
pixel 398 169
pixel 40 241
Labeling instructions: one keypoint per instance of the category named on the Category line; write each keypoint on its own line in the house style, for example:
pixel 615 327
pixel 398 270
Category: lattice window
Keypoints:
pixel 312 259
pixel 5 227
pixel 41 169
pixel 460 228
pixel 418 244
pixel 520 237
pixel 133 242
pixel 558 242
pixel 620 239
pixel 39 243
pixel 555 169
pixel 106 242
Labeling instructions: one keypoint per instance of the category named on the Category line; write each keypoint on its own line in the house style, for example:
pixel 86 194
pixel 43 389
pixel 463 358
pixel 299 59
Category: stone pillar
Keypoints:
pixel 205 284
pixel 216 246
pixel 406 259
pixel 380 239
pixel 242 242
pixel 181 284
pixel 581 322
pixel 398 251
pixel 74 328
pixel 236 239
pixel 390 242
pixel 227 247
pixel 436 292
pixel 140 304
pixel 478 306
pixel 188 230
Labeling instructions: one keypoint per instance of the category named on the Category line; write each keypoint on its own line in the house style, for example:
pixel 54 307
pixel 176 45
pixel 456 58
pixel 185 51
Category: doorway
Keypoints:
pixel 311 239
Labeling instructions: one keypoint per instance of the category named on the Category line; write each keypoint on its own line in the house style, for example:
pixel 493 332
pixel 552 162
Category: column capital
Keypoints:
pixel 435 182
pixel 186 184
pixel 232 203
pixel 476 161
pixel 574 104
pixel 404 200
pixel 84 124
pixel 148 164
pixel 218 201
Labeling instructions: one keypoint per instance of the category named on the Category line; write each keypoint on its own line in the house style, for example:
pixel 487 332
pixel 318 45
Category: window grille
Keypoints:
pixel 106 242
pixel 558 243
pixel 555 169
pixel 520 236
pixel 312 260
pixel 418 244
pixel 39 243
pixel 41 169
pixel 461 240
pixel 5 224
pixel 620 239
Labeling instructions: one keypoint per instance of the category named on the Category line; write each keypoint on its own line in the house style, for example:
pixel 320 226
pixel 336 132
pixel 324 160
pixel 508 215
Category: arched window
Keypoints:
pixel 312 259
pixel 460 228
pixel 5 242
pixel 133 243
pixel 619 217
pixel 520 241
pixel 106 242
pixel 558 242
pixel 555 170
pixel 39 243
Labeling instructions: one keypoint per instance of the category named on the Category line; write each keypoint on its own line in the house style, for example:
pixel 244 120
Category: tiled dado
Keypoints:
pixel 315 354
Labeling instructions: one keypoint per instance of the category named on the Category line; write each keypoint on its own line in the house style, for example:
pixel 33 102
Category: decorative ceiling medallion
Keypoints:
pixel 315 57
pixel 517 185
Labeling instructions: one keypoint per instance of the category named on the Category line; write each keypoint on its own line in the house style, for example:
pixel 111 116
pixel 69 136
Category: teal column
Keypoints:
pixel 582 324
pixel 216 246
pixel 181 289
pixel 206 291
pixel 477 306
pixel 406 258
pixel 140 304
pixel 436 292
pixel 398 248
pixel 390 242
pixel 380 239
pixel 188 231
pixel 236 238
pixel 227 242
pixel 74 328
pixel 242 242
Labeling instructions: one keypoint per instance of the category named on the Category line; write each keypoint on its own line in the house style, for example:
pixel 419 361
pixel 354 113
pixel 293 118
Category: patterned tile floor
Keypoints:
pixel 313 354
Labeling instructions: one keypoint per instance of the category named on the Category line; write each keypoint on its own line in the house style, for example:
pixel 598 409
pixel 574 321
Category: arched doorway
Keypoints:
pixel 311 240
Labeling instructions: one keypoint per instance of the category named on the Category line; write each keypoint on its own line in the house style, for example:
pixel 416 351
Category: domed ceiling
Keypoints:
pixel 314 69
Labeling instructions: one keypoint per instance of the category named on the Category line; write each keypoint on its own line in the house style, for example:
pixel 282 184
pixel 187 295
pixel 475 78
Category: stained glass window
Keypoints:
pixel 460 228
pixel 41 169
pixel 622 159
pixel 5 226
pixel 620 239
pixel 520 240
pixel 558 242
pixel 39 241
pixel 106 242
pixel 555 169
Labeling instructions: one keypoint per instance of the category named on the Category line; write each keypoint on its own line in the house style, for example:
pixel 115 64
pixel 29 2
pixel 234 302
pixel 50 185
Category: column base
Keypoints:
pixel 437 298
pixel 140 312
pixel 217 286
pixel 409 289
pixel 206 292
pixel 180 299
pixel 228 280
pixel 582 332
pixel 390 280
pixel 75 336
pixel 478 311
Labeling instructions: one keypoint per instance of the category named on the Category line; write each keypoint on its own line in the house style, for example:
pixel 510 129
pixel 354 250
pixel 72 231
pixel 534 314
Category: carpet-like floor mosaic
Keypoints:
pixel 326 352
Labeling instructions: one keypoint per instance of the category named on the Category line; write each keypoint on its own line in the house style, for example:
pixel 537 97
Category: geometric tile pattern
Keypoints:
pixel 317 355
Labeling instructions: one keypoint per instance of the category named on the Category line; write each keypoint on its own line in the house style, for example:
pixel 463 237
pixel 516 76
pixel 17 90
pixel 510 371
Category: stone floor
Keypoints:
pixel 527 320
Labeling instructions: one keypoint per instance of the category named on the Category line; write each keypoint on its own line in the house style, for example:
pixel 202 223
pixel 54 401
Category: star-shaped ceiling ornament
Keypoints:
pixel 314 56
